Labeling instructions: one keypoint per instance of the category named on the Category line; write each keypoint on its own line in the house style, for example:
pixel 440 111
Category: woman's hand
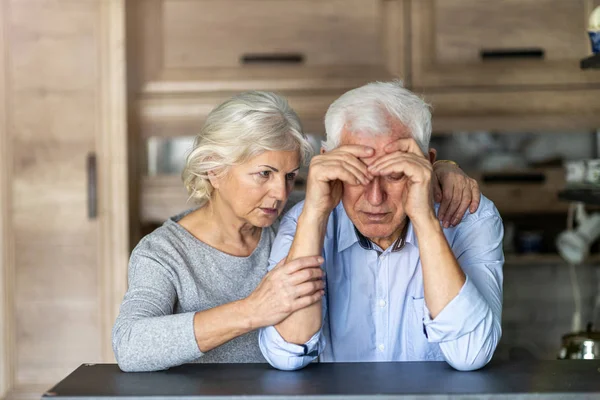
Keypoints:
pixel 455 191
pixel 288 287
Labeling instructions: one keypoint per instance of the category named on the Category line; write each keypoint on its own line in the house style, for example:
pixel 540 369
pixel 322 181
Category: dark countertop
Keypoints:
pixel 407 380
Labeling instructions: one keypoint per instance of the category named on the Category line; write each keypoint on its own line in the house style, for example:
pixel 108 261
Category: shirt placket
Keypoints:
pixel 381 307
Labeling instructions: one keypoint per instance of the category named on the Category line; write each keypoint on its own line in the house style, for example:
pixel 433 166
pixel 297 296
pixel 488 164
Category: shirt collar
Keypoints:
pixel 347 233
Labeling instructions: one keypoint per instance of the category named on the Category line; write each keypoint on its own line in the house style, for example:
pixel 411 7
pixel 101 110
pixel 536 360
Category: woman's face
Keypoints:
pixel 257 190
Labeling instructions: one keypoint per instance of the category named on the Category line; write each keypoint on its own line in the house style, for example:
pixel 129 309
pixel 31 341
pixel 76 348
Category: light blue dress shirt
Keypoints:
pixel 374 308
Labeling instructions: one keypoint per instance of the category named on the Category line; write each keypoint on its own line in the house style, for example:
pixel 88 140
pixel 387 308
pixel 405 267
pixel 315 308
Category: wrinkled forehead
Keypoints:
pixel 377 141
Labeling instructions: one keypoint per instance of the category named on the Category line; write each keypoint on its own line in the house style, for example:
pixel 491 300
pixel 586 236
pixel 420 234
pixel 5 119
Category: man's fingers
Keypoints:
pixel 396 158
pixel 356 150
pixel 358 164
pixel 335 170
pixel 399 164
pixel 405 145
pixel 463 206
pixel 351 163
pixel 302 263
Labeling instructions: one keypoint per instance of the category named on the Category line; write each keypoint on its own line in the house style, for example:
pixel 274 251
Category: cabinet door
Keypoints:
pixel 487 43
pixel 209 45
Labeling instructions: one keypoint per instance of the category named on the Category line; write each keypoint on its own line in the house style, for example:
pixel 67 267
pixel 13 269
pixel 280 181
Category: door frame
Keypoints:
pixel 6 245
pixel 113 182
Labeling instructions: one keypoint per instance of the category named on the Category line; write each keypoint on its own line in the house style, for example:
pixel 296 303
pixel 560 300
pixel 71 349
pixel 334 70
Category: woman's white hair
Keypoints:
pixel 372 108
pixel 237 130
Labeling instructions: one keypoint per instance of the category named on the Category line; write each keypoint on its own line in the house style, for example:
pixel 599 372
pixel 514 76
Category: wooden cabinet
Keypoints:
pixel 507 43
pixel 62 267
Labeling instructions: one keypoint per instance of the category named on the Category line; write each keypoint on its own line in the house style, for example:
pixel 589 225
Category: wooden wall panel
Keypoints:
pixel 55 74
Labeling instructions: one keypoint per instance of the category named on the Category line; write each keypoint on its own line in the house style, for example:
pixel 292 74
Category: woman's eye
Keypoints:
pixel 290 177
pixel 264 174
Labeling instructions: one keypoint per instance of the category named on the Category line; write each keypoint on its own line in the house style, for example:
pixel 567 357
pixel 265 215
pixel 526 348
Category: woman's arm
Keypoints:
pixel 147 336
pixel 285 289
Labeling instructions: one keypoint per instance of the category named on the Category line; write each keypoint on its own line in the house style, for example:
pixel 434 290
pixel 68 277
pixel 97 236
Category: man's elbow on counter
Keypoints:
pixel 483 356
pixel 282 362
pixel 463 365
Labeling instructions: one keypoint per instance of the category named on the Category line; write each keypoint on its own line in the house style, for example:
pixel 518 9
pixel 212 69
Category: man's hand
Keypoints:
pixel 455 191
pixel 405 161
pixel 328 172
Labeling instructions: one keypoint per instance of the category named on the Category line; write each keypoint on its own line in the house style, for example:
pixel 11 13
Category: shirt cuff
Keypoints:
pixel 460 317
pixel 309 348
pixel 285 355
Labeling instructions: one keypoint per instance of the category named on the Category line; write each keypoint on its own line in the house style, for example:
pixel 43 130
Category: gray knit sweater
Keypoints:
pixel 172 275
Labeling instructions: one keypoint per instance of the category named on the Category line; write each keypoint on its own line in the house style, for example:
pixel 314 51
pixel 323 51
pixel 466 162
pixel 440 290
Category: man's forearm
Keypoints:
pixel 442 276
pixel 300 326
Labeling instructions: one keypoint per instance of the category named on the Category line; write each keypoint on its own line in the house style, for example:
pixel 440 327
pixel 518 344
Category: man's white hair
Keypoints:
pixel 372 108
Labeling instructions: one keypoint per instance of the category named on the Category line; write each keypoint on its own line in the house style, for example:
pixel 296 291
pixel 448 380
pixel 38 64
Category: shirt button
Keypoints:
pixel 381 347
pixel 382 303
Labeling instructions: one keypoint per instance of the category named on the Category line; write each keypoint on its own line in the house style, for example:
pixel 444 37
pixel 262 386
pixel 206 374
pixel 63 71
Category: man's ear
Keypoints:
pixel 432 155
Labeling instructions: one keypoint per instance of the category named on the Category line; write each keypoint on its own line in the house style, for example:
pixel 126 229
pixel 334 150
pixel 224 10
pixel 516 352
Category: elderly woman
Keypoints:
pixel 198 285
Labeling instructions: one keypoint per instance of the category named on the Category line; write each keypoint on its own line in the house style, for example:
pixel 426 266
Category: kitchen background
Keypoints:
pixel 99 99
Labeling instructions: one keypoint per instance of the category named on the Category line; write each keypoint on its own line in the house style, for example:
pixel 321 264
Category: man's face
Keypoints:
pixel 376 209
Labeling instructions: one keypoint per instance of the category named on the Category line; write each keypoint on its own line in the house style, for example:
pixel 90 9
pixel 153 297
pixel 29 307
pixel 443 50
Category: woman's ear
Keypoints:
pixel 214 179
pixel 432 155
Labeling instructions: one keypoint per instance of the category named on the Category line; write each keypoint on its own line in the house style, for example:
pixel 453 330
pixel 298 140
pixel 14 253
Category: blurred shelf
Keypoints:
pixel 592 62
pixel 587 195
pixel 540 259
pixel 528 191
pixel 163 196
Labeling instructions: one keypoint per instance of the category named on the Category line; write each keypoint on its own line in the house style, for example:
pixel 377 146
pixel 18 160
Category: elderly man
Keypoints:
pixel 400 286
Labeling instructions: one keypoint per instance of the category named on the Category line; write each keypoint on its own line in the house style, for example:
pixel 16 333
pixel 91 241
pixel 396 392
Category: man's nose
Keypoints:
pixel 374 192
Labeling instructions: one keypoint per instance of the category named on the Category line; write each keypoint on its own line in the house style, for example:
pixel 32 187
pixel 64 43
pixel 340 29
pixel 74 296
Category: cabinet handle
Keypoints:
pixel 273 58
pixel 514 178
pixel 92 192
pixel 502 54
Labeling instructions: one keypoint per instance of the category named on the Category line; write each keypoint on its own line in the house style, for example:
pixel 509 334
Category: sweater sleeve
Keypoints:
pixel 147 336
